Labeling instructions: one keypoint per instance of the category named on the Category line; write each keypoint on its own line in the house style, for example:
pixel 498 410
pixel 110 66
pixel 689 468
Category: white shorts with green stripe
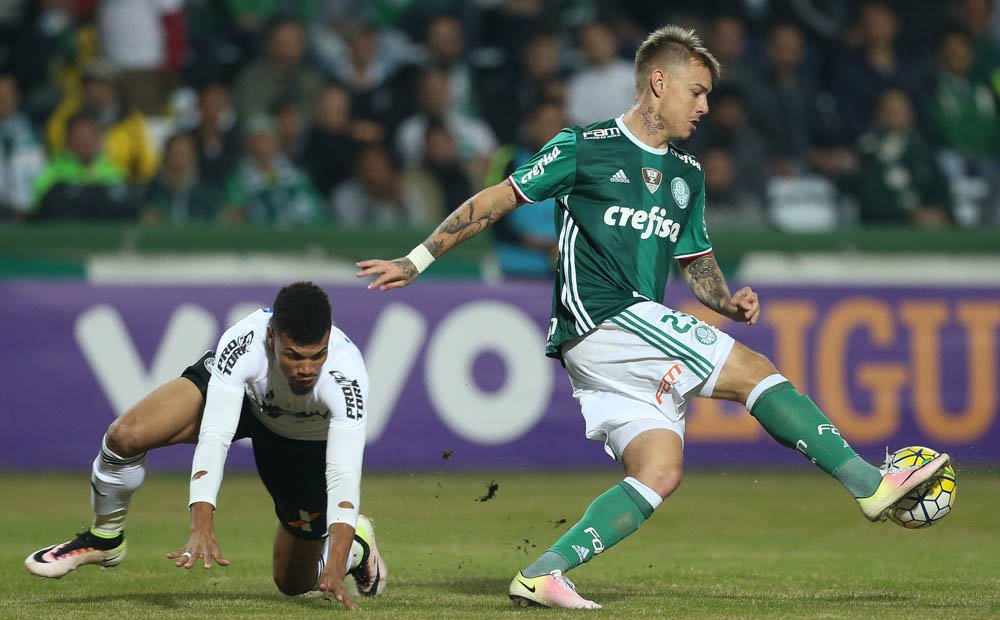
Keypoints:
pixel 636 371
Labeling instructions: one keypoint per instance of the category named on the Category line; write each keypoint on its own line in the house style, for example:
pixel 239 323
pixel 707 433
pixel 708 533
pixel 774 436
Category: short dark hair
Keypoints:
pixel 302 313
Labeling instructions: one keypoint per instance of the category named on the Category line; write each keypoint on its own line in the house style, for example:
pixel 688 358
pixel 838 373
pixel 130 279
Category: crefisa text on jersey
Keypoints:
pixel 649 223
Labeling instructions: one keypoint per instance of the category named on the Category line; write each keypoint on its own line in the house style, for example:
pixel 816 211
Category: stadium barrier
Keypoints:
pixel 459 379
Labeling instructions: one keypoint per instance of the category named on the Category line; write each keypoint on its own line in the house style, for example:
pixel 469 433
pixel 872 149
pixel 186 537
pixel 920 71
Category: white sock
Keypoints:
pixel 647 493
pixel 354 557
pixel 113 480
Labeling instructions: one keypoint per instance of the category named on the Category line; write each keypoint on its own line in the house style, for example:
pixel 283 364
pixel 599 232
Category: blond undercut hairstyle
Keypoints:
pixel 673 46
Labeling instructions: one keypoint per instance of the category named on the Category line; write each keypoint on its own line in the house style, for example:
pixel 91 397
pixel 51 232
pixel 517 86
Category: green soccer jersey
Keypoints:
pixel 626 210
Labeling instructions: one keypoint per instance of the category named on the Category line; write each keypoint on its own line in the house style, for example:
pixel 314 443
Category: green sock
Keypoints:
pixel 609 519
pixel 859 477
pixel 796 422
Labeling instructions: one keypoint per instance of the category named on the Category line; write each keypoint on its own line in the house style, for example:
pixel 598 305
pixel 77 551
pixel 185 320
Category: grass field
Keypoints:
pixel 752 545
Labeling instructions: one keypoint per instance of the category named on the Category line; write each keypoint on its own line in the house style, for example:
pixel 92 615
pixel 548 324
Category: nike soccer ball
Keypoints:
pixel 927 507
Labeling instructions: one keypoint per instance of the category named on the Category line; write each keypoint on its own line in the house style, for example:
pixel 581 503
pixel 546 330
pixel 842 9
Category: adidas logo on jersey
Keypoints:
pixel 582 552
pixel 619 177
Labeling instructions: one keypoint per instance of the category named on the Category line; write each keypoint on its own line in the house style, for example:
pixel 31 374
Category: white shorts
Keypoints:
pixel 636 371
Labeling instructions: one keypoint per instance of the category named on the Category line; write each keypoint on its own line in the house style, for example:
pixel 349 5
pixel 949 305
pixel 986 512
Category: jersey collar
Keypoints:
pixel 620 121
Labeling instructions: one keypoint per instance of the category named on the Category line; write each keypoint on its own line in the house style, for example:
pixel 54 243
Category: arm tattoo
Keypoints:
pixel 706 282
pixel 464 223
pixel 409 269
pixel 652 121
pixel 474 216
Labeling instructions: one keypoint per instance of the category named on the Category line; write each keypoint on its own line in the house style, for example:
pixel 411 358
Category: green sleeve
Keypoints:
pixel 45 180
pixel 108 173
pixel 551 172
pixel 234 191
pixel 693 239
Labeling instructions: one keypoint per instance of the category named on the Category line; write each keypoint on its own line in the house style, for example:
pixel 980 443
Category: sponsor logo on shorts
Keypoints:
pixel 209 364
pixel 233 352
pixel 705 334
pixel 667 382
pixel 682 193
pixel 305 520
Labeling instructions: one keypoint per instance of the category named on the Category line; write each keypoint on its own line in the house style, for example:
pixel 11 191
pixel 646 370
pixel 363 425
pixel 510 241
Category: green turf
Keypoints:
pixel 760 545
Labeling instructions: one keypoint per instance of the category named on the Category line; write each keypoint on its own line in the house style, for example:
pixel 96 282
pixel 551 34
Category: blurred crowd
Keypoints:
pixel 830 113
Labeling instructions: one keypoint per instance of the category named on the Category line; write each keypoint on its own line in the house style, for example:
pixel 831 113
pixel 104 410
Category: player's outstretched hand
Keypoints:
pixel 200 546
pixel 390 273
pixel 743 306
pixel 333 585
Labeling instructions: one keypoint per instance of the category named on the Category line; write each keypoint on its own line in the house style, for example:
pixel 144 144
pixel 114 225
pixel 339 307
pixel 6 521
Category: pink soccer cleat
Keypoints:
pixel 898 483
pixel 551 590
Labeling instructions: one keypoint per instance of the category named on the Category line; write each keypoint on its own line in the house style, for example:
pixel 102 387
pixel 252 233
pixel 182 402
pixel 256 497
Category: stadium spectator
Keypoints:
pixel 177 195
pixel 728 38
pixel 217 134
pixel 46 45
pixel 440 177
pixel 335 138
pixel 379 193
pixel 80 182
pixel 146 40
pixel 879 61
pixel 22 156
pixel 541 75
pixel 282 73
pixel 729 127
pixel 444 42
pixel 266 188
pixel 128 141
pixel 365 60
pixel 291 129
pixel 634 362
pixel 978 19
pixel 899 180
pixel 600 87
pixel 474 137
pixel 525 240
pixel 804 129
pixel 731 204
pixel 297 386
pixel 963 105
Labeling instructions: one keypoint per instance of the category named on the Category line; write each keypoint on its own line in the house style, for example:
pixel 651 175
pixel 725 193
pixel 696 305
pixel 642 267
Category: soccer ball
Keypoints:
pixel 927 507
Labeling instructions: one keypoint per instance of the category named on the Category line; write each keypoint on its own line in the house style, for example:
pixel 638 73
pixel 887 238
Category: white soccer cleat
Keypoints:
pixel 896 484
pixel 59 560
pixel 551 590
pixel 371 574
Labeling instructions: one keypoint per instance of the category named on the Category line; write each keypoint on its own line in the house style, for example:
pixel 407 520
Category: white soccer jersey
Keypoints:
pixel 333 410
pixel 243 363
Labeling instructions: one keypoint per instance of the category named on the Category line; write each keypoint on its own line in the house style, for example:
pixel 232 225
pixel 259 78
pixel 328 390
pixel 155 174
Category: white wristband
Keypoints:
pixel 420 257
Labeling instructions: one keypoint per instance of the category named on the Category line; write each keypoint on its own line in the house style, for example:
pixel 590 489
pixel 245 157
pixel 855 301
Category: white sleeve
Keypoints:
pixel 347 396
pixel 345 451
pixel 218 425
pixel 237 359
